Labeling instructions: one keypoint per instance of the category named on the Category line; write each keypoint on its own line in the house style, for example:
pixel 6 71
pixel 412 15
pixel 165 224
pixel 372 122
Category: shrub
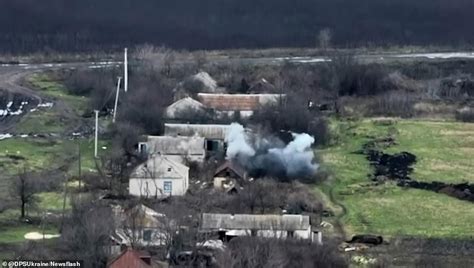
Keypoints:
pixel 392 104
pixel 465 115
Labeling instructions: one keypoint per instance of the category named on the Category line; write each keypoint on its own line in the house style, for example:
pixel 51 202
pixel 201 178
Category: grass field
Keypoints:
pixel 444 151
pixel 54 150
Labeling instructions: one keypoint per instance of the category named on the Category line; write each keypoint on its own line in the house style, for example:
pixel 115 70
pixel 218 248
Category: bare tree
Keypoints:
pixel 260 196
pixel 200 59
pixel 264 252
pixel 86 233
pixel 24 189
pixel 324 38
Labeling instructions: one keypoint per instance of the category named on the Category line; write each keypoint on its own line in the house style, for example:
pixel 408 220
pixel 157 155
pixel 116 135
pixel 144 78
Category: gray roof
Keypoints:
pixel 183 105
pixel 254 222
pixel 167 145
pixel 217 132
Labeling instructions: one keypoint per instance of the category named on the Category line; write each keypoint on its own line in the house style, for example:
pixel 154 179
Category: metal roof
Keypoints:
pixel 168 145
pixel 207 131
pixel 254 222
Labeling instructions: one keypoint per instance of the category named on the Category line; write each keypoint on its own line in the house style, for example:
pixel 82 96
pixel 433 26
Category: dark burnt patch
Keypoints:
pixel 398 167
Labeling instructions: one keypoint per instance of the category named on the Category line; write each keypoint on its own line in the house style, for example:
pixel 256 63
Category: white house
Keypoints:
pixel 265 225
pixel 177 148
pixel 159 177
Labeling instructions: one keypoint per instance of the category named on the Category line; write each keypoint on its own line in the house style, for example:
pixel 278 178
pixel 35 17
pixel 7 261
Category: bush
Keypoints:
pixel 465 115
pixel 261 252
pixel 392 104
pixel 354 79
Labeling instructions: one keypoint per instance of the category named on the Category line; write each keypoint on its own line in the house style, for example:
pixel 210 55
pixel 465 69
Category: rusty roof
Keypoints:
pixel 130 258
pixel 237 102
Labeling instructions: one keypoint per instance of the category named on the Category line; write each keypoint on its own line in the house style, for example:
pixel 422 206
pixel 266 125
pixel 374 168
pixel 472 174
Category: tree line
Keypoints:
pixel 86 25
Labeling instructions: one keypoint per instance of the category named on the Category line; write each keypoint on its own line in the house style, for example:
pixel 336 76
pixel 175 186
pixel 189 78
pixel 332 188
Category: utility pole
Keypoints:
pixel 64 204
pixel 125 70
pixel 79 165
pixel 96 132
pixel 116 98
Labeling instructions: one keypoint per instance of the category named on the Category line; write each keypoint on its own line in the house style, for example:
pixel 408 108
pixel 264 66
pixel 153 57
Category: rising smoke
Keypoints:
pixel 269 156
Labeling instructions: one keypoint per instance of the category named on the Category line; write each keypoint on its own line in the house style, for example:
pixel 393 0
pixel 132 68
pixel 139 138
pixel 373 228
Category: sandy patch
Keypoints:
pixel 457 132
pixel 39 236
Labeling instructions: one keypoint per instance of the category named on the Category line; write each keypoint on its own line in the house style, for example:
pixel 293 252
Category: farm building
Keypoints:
pixel 159 177
pixel 245 104
pixel 265 225
pixel 229 177
pixel 139 225
pixel 177 149
pixel 214 134
pixel 176 110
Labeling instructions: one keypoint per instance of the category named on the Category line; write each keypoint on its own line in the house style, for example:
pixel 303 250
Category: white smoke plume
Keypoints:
pixel 269 156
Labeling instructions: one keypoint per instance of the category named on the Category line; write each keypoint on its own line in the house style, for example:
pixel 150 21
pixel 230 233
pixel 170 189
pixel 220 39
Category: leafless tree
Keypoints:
pixel 324 38
pixel 200 59
pixel 264 252
pixel 24 190
pixel 87 231
pixel 260 196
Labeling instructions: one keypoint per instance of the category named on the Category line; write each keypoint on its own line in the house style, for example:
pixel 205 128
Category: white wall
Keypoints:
pixel 151 188
pixel 300 234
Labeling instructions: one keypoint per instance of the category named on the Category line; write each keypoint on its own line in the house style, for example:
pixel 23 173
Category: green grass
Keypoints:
pixel 53 201
pixel 62 116
pixel 445 150
pixel 39 153
pixel 388 209
pixel 15 234
pixel 56 90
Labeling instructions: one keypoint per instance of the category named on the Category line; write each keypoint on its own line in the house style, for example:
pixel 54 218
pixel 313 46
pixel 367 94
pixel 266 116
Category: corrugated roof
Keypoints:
pixel 237 102
pixel 217 132
pixel 168 145
pixel 254 222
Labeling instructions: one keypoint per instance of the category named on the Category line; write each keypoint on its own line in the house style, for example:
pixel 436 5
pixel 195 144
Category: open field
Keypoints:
pixel 43 142
pixel 444 151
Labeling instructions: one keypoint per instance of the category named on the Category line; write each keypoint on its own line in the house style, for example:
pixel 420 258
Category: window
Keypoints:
pixel 147 235
pixel 290 234
pixel 167 187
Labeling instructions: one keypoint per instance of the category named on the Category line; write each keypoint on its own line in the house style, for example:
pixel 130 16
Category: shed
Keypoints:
pixel 264 225
pixel 229 176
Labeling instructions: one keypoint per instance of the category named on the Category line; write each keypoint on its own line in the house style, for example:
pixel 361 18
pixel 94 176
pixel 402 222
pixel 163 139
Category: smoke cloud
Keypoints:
pixel 269 156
